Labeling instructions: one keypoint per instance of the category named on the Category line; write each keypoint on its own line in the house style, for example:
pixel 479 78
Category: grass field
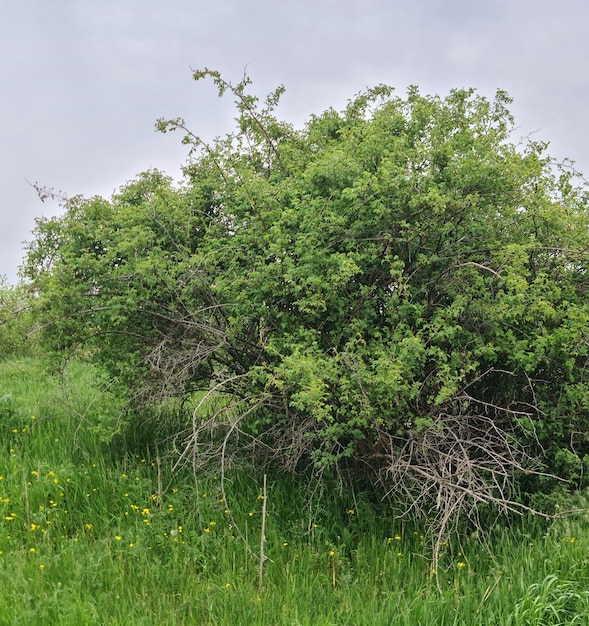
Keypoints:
pixel 90 534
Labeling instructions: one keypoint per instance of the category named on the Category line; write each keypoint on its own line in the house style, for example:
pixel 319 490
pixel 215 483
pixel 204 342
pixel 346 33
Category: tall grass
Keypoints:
pixel 91 535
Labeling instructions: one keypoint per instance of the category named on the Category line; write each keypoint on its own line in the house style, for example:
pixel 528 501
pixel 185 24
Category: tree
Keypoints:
pixel 396 288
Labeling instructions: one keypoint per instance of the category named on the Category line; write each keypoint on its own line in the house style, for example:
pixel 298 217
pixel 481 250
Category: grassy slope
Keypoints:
pixel 89 537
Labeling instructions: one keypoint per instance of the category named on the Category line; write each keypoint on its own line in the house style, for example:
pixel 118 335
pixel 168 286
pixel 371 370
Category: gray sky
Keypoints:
pixel 83 81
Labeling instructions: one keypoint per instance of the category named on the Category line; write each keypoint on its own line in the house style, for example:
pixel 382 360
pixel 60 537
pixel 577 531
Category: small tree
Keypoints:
pixel 396 288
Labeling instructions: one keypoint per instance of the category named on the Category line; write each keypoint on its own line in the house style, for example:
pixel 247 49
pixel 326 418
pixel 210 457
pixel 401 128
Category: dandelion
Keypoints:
pixel 32 550
pixel 118 537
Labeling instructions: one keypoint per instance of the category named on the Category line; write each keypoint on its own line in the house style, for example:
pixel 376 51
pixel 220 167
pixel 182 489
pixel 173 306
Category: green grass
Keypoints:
pixel 89 535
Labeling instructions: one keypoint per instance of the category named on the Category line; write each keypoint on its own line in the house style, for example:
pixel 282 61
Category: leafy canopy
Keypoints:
pixel 396 287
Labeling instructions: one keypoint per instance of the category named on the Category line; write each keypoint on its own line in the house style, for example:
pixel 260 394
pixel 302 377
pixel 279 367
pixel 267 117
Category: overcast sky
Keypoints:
pixel 83 81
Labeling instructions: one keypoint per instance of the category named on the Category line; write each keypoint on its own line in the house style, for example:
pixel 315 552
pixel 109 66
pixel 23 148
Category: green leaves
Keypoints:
pixel 396 282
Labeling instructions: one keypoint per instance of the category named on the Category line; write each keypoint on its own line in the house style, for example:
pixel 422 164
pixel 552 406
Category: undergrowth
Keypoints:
pixel 96 533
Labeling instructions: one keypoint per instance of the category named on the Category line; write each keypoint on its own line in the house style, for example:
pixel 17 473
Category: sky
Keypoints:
pixel 82 82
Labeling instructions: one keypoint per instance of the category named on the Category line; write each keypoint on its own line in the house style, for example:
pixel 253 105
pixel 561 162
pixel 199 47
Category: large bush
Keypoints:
pixel 397 288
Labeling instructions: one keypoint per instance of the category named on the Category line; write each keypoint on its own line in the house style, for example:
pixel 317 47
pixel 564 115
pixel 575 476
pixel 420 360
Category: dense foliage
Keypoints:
pixel 17 325
pixel 396 288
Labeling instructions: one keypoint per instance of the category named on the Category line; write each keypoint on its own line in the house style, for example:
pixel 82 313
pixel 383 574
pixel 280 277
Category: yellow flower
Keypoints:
pixel 572 540
pixel 34 526
pixel 41 566
pixel 170 507
pixel 88 526
pixel 32 550
pixel 118 537
pixel 227 585
pixel 207 530
pixel 351 511
pixel 397 538
pixel 331 553
pixel 461 564
pixel 145 512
